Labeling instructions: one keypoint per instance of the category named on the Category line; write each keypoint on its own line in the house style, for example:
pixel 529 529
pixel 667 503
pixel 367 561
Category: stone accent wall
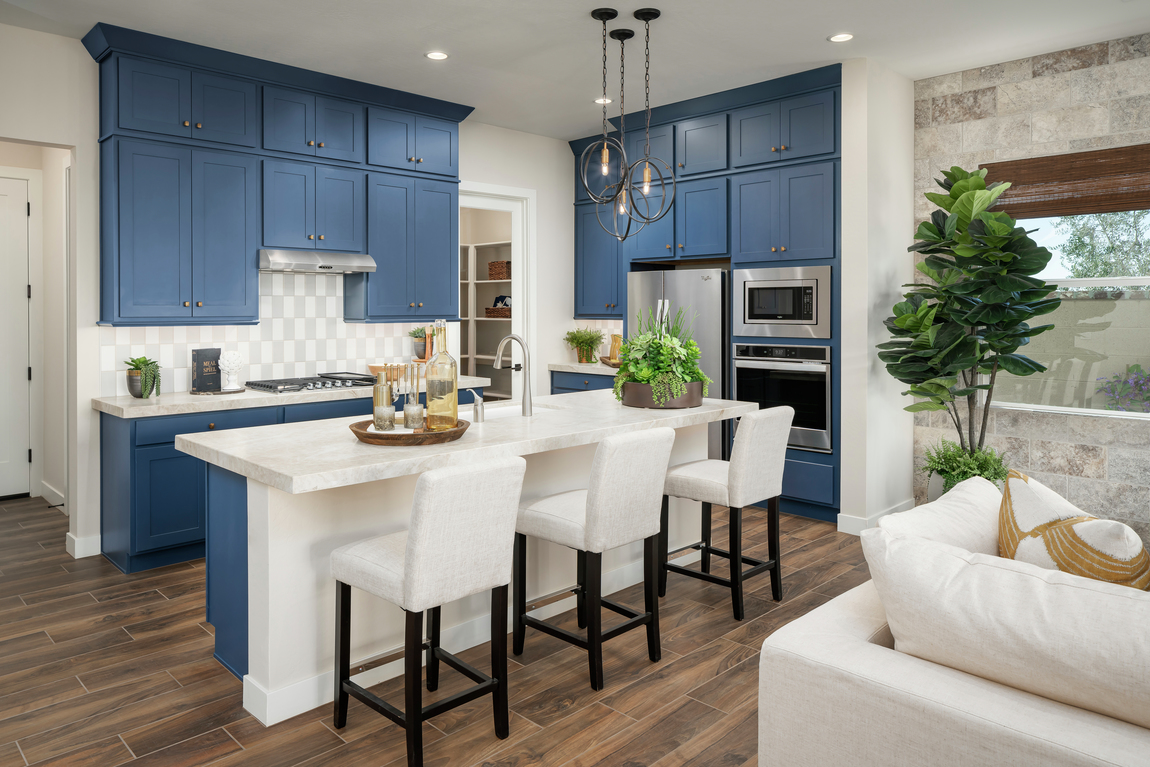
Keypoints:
pixel 1092 97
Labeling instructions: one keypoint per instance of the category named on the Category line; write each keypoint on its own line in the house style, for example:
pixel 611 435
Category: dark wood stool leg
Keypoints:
pixel 773 548
pixel 706 536
pixel 499 660
pixel 736 528
pixel 594 610
pixel 432 643
pixel 651 595
pixel 413 688
pixel 581 578
pixel 664 544
pixel 342 650
pixel 519 593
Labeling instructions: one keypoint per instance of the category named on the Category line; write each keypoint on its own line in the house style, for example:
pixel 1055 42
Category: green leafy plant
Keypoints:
pixel 663 354
pixel 955 463
pixel 419 332
pixel 149 374
pixel 955 333
pixel 585 342
pixel 1129 391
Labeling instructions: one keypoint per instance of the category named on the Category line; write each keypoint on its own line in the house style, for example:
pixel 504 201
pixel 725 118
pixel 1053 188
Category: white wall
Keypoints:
pixel 877 227
pixel 13 155
pixel 54 317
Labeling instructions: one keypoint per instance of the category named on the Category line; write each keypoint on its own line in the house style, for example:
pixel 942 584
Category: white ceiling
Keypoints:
pixel 534 65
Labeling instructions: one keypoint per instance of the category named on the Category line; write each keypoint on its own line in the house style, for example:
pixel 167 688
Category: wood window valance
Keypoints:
pixel 1104 181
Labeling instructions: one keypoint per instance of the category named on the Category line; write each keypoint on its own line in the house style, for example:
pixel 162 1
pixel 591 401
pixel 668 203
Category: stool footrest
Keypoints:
pixel 555 631
pixel 758 568
pixel 623 610
pixel 463 667
pixel 374 702
pixel 625 626
pixel 727 555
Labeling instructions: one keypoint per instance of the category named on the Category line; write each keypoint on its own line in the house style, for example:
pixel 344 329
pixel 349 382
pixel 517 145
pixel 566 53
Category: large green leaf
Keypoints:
pixel 966 185
pixel 944 201
pixel 920 407
pixel 927 231
pixel 1019 365
pixel 1014 282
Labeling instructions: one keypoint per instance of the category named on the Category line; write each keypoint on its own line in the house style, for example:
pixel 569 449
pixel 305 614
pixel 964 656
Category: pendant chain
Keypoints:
pixel 604 78
pixel 647 83
pixel 622 93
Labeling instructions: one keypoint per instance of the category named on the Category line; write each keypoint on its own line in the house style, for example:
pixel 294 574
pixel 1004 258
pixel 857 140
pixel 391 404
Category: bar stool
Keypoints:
pixel 459 544
pixel 620 506
pixel 754 472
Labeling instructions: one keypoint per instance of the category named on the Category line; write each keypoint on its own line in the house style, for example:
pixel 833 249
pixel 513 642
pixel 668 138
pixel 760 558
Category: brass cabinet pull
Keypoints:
pixel 606 306
pixel 668 246
pixel 782 146
pixel 774 149
pixel 784 250
pixel 199 125
pixel 584 383
pixel 680 165
pixel 211 426
pixel 680 244
pixel 311 143
pixel 321 143
pixel 412 304
pixel 311 236
pixel 186 123
pixel 411 159
pixel 321 236
pixel 187 303
pixel 774 249
pixel 420 160
pixel 199 303
pixel 421 303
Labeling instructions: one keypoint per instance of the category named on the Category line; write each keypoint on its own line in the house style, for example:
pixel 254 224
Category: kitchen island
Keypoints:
pixel 282 497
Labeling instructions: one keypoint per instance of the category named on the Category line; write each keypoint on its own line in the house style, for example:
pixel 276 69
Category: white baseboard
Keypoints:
pixel 855 525
pixel 53 496
pixel 82 547
pixel 274 707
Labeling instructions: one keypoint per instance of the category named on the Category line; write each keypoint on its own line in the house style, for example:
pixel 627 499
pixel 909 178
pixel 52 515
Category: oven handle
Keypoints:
pixel 801 367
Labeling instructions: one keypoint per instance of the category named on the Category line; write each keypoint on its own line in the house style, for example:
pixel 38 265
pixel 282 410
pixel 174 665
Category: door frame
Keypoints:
pixel 35 181
pixel 521 204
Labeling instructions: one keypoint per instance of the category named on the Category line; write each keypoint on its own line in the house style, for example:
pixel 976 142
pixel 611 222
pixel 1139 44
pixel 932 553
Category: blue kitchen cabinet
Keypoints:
pixel 755 216
pixel 154 211
pixel 339 130
pixel 390 138
pixel 754 136
pixel 289 204
pixel 436 146
pixel 225 235
pixel 154 97
pixel 701 217
pixel 701 145
pixel 436 249
pixel 807 212
pixel 596 267
pixel 289 121
pixel 563 382
pixel 225 110
pixel 340 209
pixel 807 125
pixel 655 241
pixel 170 496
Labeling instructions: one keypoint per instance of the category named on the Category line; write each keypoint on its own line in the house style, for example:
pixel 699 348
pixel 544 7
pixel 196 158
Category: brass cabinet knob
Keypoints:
pixel 585 383
pixel 680 244
pixel 211 426
pixel 187 303
pixel 199 125
pixel 606 306
pixel 412 304
pixel 199 303
pixel 773 249
pixel 186 123
pixel 321 143
pixel 311 236
pixel 680 165
pixel 421 304
pixel 321 236
pixel 782 146
pixel 668 246
pixel 420 160
pixel 784 250
pixel 311 143
pixel 774 149
pixel 411 159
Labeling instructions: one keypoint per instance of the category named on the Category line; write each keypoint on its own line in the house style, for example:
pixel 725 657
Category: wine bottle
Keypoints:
pixel 442 384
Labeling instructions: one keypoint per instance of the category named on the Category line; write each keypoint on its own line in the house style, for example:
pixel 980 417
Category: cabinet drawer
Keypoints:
pixel 316 411
pixel 581 381
pixel 809 481
pixel 153 431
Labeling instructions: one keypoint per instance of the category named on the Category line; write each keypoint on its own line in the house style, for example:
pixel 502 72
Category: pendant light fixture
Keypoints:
pixel 627 201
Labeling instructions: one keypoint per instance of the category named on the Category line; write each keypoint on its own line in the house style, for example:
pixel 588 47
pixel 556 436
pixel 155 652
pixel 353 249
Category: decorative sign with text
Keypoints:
pixel 205 371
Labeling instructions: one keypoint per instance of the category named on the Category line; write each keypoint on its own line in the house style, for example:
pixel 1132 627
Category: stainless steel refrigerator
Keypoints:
pixel 702 295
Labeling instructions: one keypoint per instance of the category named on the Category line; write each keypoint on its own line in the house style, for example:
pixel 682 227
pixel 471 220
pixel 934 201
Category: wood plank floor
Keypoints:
pixel 100 668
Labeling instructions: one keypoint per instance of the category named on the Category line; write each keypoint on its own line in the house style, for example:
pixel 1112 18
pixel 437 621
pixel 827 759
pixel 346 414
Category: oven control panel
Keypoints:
pixel 776 352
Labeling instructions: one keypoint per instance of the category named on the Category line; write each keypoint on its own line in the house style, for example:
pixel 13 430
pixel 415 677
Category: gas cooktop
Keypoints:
pixel 322 381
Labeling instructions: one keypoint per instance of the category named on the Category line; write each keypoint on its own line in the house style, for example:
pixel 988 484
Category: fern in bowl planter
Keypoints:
pixel 659 365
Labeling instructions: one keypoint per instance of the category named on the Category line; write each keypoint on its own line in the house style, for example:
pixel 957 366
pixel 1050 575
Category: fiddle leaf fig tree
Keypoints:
pixel 953 334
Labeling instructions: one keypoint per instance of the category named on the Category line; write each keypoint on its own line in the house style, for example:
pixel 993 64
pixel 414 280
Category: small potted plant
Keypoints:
pixel 659 366
pixel 143 377
pixel 419 336
pixel 585 342
pixel 952 464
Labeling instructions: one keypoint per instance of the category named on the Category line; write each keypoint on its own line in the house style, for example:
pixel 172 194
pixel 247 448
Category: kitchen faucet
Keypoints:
pixel 525 367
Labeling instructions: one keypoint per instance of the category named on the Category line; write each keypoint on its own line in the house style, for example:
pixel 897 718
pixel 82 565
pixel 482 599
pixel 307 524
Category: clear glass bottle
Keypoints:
pixel 442 384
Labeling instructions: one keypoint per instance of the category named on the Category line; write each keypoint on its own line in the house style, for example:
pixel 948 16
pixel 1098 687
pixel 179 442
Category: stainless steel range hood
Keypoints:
pixel 315 262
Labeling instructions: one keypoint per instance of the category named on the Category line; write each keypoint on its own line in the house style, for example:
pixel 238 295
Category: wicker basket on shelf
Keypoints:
pixel 494 312
pixel 499 270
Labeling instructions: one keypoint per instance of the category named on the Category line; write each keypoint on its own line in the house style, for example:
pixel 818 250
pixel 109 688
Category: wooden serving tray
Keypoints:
pixel 401 439
pixel 610 362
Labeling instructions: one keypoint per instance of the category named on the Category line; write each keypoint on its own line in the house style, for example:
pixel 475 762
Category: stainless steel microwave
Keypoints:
pixel 787 302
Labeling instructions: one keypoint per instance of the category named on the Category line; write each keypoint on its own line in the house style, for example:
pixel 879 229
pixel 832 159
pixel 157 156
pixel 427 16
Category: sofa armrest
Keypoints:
pixel 832 690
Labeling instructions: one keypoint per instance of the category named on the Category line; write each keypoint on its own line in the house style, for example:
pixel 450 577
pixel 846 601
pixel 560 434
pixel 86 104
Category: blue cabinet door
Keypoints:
pixel 339 209
pixel 155 97
pixel 596 266
pixel 225 235
pixel 807 211
pixel 390 138
pixel 339 132
pixel 701 145
pixel 755 135
pixel 289 121
pixel 391 242
pixel 808 125
pixel 436 249
pixel 289 204
pixel 169 502
pixel 436 146
pixel 655 240
pixel 225 110
pixel 701 217
pixel 154 203
pixel 755 216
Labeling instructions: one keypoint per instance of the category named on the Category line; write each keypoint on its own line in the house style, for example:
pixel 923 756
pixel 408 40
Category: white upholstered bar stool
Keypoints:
pixel 620 506
pixel 459 543
pixel 754 473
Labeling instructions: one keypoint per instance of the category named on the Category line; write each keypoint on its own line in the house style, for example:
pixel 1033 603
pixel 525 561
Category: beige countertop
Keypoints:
pixel 179 403
pixel 583 368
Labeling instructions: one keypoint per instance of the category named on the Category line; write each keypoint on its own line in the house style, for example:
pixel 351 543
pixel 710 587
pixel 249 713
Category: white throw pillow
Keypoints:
pixel 1082 642
pixel 966 517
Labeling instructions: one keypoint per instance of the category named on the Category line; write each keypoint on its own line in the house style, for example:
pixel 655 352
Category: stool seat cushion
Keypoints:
pixel 560 518
pixel 704 481
pixel 375 565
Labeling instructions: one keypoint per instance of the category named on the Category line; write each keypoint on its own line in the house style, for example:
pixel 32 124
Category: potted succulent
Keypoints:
pixel 585 342
pixel 957 331
pixel 419 337
pixel 143 377
pixel 659 365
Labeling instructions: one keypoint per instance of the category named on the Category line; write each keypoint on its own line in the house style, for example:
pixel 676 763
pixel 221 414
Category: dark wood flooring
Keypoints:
pixel 100 668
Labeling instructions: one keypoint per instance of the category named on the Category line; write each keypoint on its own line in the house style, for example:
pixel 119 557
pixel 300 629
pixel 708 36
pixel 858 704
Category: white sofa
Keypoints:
pixel 834 691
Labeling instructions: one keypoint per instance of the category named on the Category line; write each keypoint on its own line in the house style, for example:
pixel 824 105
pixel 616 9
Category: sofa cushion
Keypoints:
pixel 966 517
pixel 1039 526
pixel 1074 640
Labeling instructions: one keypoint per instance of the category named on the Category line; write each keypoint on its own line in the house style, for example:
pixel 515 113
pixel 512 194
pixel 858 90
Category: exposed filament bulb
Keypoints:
pixel 646 178
pixel 623 202
pixel 605 159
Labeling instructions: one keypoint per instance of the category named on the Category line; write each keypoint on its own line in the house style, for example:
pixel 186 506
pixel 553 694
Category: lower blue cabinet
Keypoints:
pixel 169 491
pixel 563 382
pixel 807 211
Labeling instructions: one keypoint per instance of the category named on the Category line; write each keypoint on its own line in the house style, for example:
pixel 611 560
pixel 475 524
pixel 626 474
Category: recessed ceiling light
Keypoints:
pixel 602 101
pixel 436 55
pixel 840 38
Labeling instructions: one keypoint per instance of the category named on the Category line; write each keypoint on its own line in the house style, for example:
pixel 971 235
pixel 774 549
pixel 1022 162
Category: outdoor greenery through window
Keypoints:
pixel 1098 354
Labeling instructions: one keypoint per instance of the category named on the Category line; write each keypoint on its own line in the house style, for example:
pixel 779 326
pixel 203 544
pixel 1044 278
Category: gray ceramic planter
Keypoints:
pixel 420 348
pixel 639 395
pixel 136 384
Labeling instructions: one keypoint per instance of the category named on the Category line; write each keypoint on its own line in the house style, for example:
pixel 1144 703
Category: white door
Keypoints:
pixel 14 386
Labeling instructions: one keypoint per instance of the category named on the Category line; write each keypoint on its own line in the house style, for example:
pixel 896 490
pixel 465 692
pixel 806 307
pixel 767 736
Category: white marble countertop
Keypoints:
pixel 179 403
pixel 320 455
pixel 583 368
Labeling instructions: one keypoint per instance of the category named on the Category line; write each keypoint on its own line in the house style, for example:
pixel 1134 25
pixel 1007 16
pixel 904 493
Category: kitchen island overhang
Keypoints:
pixel 281 498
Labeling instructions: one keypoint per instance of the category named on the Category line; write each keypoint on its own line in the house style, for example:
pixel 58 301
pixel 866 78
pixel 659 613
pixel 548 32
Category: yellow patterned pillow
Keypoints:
pixel 1037 525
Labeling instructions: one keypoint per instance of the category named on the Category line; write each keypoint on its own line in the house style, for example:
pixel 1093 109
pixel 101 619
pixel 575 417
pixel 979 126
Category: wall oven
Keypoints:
pixel 792 302
pixel 799 376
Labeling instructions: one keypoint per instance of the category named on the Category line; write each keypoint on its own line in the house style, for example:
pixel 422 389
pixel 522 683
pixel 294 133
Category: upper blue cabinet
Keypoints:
pixel 412 142
pixel 302 123
pixel 313 206
pixel 755 135
pixel 339 132
pixel 784 215
pixel 701 145
pixel 807 125
pixel 225 110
